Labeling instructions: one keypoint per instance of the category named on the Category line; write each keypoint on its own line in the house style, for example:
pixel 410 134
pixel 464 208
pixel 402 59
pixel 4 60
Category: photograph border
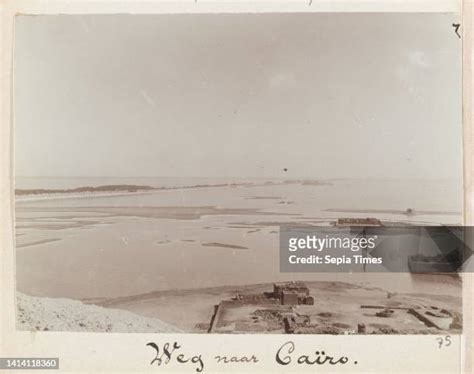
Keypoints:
pixel 13 342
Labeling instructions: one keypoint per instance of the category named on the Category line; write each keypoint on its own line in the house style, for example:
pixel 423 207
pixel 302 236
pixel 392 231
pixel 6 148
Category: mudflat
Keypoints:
pixel 192 247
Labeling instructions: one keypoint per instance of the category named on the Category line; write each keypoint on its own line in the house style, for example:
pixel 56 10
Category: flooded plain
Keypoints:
pixel 210 235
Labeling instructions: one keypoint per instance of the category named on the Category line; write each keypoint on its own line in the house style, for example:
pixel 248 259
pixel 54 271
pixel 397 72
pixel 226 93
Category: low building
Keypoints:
pixel 289 298
pixel 308 300
pixel 292 293
pixel 297 287
pixel 358 222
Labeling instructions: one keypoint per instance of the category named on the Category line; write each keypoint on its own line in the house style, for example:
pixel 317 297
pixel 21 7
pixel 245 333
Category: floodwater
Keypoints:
pixel 181 238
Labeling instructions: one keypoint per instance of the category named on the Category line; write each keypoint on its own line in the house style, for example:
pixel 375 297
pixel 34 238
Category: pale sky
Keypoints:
pixel 323 95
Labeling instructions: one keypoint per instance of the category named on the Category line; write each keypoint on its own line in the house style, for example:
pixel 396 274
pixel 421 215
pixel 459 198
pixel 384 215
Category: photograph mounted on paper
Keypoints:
pixel 158 156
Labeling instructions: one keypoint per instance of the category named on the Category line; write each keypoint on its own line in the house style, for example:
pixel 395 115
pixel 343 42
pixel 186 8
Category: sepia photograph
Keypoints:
pixel 158 159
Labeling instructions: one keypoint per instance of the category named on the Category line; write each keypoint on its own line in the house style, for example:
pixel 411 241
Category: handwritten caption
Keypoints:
pixel 286 354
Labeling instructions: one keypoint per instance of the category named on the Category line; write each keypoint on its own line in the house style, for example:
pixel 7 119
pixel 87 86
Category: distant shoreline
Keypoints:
pixel 130 188
pixel 105 188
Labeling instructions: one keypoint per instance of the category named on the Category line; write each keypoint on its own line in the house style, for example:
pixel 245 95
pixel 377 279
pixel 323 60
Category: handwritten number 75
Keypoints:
pixel 444 341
